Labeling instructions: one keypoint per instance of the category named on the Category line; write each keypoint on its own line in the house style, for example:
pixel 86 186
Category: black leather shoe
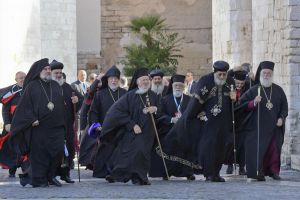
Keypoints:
pixel 229 169
pixel 135 181
pixel 109 179
pixel 260 177
pixel 215 179
pixel 24 179
pixel 145 182
pixel 191 178
pixel 276 177
pixel 41 185
pixel 55 182
pixel 67 179
pixel 242 171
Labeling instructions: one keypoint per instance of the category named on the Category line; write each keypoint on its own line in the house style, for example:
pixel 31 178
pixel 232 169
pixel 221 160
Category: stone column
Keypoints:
pixel 232 31
pixel 34 29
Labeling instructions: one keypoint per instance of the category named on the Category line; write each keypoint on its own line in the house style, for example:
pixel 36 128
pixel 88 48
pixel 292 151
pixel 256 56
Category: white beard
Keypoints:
pixel 219 82
pixel 266 82
pixel 141 90
pixel 177 93
pixel 113 87
pixel 157 89
pixel 59 81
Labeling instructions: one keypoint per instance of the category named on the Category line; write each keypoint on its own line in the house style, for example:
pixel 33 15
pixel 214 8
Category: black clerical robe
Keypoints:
pixel 102 101
pixel 203 129
pixel 45 142
pixel 122 154
pixel 268 129
pixel 168 109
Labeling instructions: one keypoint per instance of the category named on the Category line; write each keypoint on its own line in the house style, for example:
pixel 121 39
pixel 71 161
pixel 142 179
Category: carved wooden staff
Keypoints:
pixel 157 137
pixel 76 128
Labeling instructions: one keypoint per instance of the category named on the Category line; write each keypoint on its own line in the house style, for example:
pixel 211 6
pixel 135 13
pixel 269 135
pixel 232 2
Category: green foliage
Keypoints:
pixel 158 48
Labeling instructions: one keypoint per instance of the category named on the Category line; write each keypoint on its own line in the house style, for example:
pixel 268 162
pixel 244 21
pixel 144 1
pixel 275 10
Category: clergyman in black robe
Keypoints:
pixel 38 126
pixel 128 135
pixel 241 86
pixel 171 108
pixel 157 85
pixel 105 97
pixel 272 114
pixel 10 99
pixel 70 99
pixel 203 129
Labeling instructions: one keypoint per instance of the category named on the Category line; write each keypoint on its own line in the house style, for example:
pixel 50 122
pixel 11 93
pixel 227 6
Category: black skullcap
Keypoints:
pixel 240 75
pixel 221 65
pixel 175 78
pixel 56 65
pixel 156 72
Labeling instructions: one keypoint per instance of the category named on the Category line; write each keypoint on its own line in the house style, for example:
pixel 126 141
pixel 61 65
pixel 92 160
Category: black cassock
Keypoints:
pixel 45 142
pixel 203 129
pixel 168 109
pixel 122 154
pixel 102 101
pixel 268 128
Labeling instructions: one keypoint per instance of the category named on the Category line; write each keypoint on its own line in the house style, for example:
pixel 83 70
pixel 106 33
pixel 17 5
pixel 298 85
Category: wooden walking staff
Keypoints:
pixel 158 141
pixel 233 131
pixel 258 133
pixel 76 128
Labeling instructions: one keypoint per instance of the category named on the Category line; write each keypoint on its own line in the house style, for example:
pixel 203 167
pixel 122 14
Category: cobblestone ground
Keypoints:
pixel 235 187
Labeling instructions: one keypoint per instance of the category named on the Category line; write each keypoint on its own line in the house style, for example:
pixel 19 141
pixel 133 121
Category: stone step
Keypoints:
pixel 295 161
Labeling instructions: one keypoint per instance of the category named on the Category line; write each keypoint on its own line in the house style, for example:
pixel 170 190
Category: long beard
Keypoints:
pixel 157 89
pixel 219 82
pixel 266 82
pixel 177 93
pixel 59 81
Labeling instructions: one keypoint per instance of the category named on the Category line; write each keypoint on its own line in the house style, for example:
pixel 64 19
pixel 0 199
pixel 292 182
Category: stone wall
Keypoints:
pixel 232 31
pixel 191 18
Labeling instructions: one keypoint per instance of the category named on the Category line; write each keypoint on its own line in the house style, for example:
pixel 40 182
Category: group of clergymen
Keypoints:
pixel 148 129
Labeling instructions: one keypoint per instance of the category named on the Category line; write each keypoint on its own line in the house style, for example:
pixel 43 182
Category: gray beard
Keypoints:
pixel 177 93
pixel 157 89
pixel 60 81
pixel 266 82
pixel 112 87
pixel 141 91
pixel 46 78
pixel 219 82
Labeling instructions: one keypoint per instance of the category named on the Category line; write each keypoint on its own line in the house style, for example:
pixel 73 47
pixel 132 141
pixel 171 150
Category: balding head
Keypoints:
pixel 20 77
pixel 81 75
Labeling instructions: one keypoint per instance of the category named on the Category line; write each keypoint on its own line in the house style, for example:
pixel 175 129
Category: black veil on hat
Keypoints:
pixel 113 71
pixel 56 65
pixel 35 70
pixel 175 78
pixel 263 65
pixel 137 74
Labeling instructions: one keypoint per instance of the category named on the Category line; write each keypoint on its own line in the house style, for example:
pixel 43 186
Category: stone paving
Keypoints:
pixel 235 187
